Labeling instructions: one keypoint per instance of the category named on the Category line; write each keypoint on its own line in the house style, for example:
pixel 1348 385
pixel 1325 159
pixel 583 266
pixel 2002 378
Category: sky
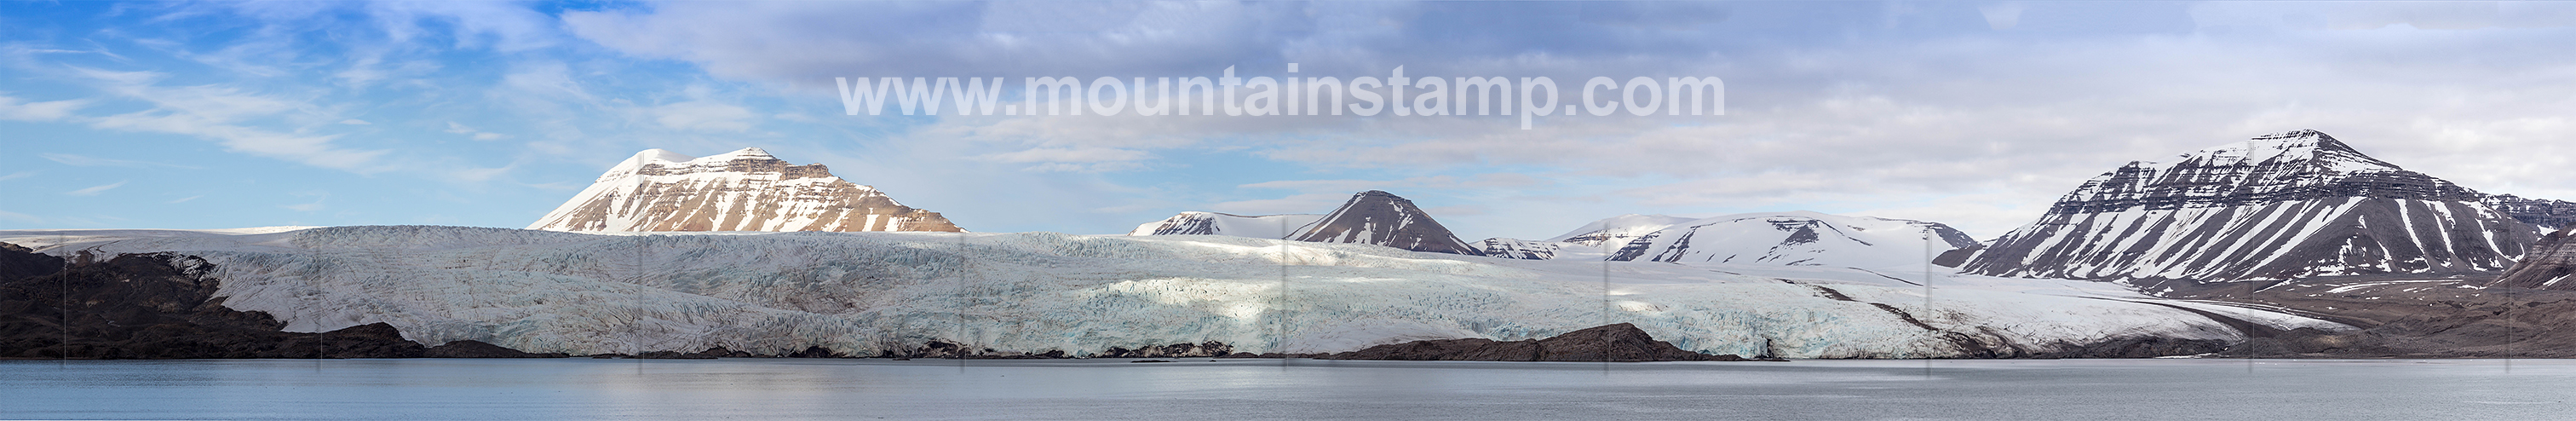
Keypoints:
pixel 1978 114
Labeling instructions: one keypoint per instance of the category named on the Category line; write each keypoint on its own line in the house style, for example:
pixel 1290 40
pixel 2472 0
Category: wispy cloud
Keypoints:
pixel 318 198
pixel 229 115
pixel 14 216
pixel 17 175
pixel 95 190
pixel 12 108
pixel 185 199
pixel 457 128
pixel 86 161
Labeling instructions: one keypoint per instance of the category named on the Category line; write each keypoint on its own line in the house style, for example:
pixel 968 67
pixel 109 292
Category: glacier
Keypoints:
pixel 862 293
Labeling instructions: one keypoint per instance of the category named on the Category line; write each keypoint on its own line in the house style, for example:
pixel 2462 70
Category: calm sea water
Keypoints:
pixel 1255 389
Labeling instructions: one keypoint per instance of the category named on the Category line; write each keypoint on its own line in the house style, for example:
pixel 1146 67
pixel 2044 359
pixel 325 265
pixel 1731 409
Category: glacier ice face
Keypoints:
pixel 862 293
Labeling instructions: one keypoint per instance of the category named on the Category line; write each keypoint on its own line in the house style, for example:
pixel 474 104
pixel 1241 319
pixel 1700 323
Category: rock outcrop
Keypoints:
pixel 744 190
pixel 2280 206
pixel 1617 342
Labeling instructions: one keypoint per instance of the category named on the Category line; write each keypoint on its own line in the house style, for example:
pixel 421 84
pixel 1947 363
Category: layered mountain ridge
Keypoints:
pixel 2544 213
pixel 743 190
pixel 2278 206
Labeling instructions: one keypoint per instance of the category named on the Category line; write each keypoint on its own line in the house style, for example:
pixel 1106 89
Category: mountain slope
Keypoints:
pixel 2551 263
pixel 2277 206
pixel 1381 218
pixel 743 190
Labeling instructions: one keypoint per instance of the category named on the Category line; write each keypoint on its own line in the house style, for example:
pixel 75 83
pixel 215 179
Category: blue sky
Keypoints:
pixel 219 115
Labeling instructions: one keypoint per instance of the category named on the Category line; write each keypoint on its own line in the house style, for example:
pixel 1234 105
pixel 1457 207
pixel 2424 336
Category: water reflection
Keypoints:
pixel 1262 389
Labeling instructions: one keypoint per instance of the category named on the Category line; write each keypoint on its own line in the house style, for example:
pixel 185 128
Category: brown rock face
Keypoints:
pixel 745 190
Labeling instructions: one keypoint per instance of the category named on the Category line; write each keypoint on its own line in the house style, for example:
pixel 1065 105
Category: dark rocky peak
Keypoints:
pixel 1381 218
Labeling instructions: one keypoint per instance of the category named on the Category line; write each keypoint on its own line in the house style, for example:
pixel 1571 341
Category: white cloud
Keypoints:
pixel 17 175
pixel 355 122
pixel 184 199
pixel 95 190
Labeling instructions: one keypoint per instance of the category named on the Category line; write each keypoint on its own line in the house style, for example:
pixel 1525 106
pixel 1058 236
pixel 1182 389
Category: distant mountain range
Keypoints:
pixel 2279 206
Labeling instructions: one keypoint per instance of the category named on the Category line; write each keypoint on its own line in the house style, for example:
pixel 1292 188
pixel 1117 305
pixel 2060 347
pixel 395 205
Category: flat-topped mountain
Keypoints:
pixel 743 190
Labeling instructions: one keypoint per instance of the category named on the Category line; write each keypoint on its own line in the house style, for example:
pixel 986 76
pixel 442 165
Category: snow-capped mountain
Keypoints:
pixel 864 293
pixel 2549 266
pixel 1381 218
pixel 2549 215
pixel 1212 223
pixel 2276 206
pixel 744 190
pixel 1618 229
pixel 1798 238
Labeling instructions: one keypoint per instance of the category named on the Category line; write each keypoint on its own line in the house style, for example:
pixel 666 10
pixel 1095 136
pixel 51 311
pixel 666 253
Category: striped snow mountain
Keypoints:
pixel 744 190
pixel 2278 206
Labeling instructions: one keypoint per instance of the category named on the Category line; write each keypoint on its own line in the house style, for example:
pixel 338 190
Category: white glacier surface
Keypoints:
pixel 861 293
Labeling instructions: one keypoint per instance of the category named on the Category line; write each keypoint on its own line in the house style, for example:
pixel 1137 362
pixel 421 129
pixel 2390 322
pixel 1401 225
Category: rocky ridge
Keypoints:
pixel 2544 213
